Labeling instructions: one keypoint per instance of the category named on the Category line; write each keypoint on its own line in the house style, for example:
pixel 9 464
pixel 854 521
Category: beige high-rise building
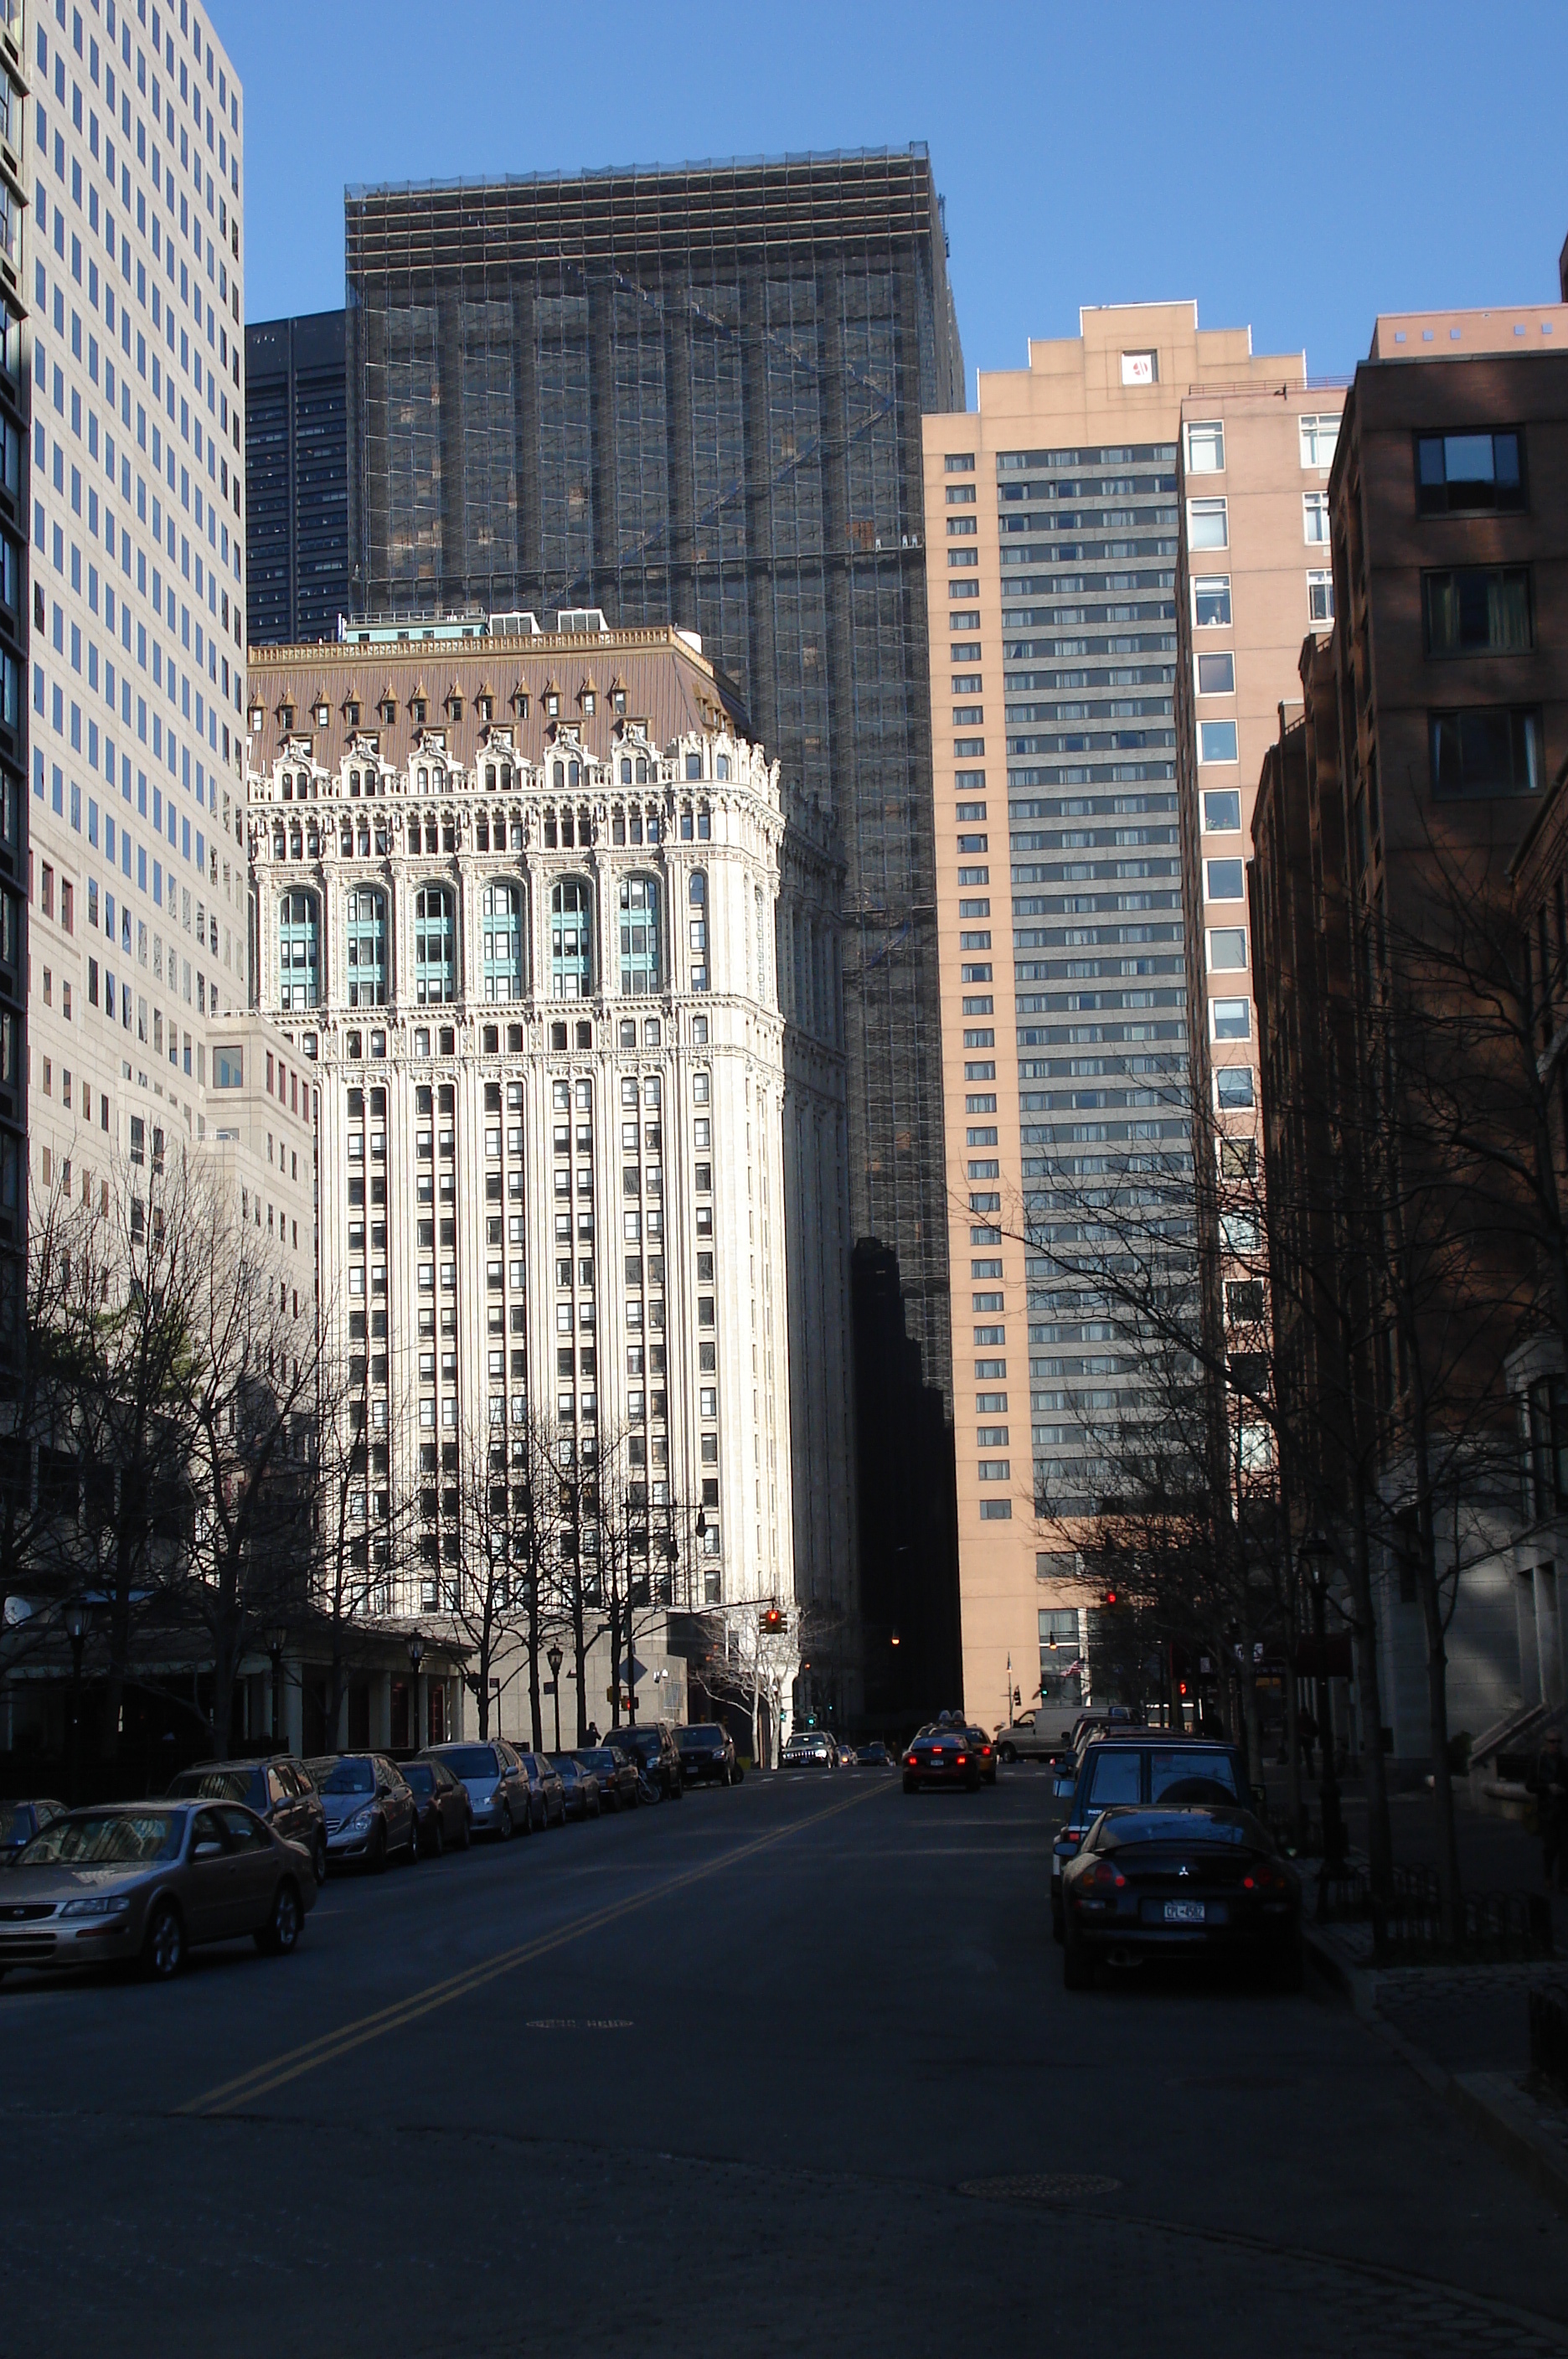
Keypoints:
pixel 1052 527
pixel 1253 578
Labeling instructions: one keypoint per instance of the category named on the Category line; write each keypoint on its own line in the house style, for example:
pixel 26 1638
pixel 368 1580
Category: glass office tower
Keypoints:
pixel 296 479
pixel 694 395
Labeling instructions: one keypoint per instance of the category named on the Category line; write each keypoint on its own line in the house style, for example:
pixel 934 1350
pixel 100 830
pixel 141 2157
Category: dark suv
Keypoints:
pixel 651 1744
pixel 707 1754
pixel 277 1791
pixel 1146 1766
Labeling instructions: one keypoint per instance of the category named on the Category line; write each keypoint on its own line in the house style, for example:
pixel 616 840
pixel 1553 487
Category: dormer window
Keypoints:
pixel 255 720
pixel 553 703
pixel 618 700
pixel 323 715
pixel 519 704
pixel 350 714
pixel 455 708
pixel 589 699
pixel 485 707
pixel 417 710
pixel 388 711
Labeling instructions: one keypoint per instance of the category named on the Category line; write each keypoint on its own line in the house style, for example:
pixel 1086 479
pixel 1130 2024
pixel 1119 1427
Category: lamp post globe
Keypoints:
pixel 555 1659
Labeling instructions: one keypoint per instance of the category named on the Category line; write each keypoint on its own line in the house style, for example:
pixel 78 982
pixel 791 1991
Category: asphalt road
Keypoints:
pixel 783 2069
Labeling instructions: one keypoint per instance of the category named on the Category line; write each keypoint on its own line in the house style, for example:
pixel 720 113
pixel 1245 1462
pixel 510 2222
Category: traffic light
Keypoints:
pixel 1110 1597
pixel 772 1623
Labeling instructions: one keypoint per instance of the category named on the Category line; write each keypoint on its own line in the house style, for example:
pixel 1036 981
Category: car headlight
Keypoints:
pixel 108 1905
pixel 359 1822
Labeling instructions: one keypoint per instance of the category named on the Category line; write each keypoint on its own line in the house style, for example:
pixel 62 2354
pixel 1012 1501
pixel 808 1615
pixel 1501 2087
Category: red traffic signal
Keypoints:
pixel 1110 1597
pixel 772 1623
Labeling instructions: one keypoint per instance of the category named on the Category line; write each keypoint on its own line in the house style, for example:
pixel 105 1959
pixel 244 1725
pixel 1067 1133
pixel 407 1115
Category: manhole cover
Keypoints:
pixel 1045 2187
pixel 580 2023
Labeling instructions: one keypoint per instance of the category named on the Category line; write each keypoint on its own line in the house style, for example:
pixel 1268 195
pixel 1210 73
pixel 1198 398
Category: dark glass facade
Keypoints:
pixel 296 479
pixel 694 395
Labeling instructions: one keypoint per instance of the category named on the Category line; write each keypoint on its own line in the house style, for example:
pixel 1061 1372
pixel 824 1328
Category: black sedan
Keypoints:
pixel 579 1786
pixel 443 1812
pixel 616 1773
pixel 1198 1880
pixel 707 1754
pixel 874 1755
pixel 941 1754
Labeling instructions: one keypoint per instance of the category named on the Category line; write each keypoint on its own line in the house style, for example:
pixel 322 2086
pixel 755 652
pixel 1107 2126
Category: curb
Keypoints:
pixel 1493 2104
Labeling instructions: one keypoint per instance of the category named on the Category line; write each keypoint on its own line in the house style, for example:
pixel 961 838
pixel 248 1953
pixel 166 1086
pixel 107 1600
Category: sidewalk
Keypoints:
pixel 1464 2030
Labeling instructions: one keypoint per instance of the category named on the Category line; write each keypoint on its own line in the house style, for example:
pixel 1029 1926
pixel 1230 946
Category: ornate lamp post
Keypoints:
pixel 555 1659
pixel 416 1657
pixel 1318 1556
pixel 277 1639
pixel 76 1625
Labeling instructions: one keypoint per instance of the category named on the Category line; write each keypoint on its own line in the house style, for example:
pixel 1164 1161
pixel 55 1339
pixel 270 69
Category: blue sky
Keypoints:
pixel 1298 167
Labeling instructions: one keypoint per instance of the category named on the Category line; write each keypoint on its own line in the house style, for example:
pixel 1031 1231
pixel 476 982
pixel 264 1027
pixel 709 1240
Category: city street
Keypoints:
pixel 782 2070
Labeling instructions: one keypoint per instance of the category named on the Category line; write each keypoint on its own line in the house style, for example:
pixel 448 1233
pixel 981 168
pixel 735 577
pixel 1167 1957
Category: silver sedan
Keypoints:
pixel 146 1881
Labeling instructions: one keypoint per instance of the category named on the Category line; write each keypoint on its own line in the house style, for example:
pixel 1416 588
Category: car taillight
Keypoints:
pixel 1264 1879
pixel 959 1759
pixel 911 1762
pixel 1104 1877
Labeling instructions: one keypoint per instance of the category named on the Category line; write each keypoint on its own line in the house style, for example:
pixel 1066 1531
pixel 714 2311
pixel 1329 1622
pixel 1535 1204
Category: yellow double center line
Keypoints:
pixel 231 2096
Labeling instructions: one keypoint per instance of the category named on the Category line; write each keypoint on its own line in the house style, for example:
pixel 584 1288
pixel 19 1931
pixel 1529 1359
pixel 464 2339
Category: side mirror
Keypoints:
pixel 208 1849
pixel 383 1790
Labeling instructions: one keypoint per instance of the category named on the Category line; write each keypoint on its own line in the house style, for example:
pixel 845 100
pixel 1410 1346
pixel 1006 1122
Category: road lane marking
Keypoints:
pixel 262 2079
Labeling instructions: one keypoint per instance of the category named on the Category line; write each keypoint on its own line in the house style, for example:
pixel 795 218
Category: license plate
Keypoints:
pixel 1183 1912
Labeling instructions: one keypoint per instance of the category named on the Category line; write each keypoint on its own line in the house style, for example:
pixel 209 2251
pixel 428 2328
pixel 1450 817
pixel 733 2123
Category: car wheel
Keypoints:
pixel 504 1827
pixel 438 1841
pixel 466 1837
pixel 378 1851
pixel 281 1933
pixel 1077 1971
pixel 163 1951
pixel 1007 1753
pixel 319 1858
pixel 1286 1968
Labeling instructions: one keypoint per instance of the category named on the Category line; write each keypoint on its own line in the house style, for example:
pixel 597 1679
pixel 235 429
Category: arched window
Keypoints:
pixel 366 948
pixel 625 769
pixel 435 946
pixel 721 766
pixel 640 935
pixel 298 950
pixel 503 942
pixel 570 940
pixel 697 901
pixel 642 770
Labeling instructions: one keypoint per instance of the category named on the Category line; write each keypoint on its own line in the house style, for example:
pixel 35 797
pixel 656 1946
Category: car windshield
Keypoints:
pixel 700 1734
pixel 355 1776
pixel 565 1764
pixel 472 1761
pixel 637 1740
pixel 107 1839
pixel 600 1757
pixel 214 1785
pixel 1189 1826
pixel 420 1776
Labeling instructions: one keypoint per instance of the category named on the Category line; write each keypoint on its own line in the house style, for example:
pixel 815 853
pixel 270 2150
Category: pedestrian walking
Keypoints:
pixel 1549 1783
pixel 594 1735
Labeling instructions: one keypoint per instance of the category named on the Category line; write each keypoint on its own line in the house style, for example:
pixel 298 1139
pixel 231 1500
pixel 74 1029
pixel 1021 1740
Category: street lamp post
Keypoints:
pixel 1319 1557
pixel 555 1659
pixel 76 1631
pixel 277 1639
pixel 416 1657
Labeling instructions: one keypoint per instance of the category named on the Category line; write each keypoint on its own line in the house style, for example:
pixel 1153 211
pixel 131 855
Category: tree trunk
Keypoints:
pixel 1364 1637
pixel 1448 1878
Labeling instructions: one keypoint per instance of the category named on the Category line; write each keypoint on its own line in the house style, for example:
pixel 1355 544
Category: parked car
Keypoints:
pixel 580 1786
pixel 441 1807
pixel 1045 1735
pixel 20 1822
pixel 874 1755
pixel 941 1754
pixel 496 1787
pixel 369 1810
pixel 547 1793
pixel 1193 1879
pixel 148 1880
pixel 651 1744
pixel 809 1748
pixel 278 1790
pixel 707 1754
pixel 617 1774
pixel 1143 1766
